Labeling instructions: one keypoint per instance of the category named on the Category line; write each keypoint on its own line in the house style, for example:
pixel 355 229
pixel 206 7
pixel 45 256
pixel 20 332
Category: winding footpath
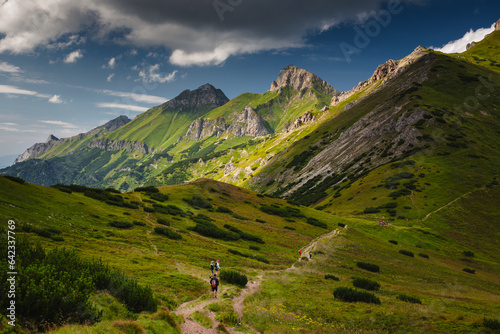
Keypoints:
pixel 187 309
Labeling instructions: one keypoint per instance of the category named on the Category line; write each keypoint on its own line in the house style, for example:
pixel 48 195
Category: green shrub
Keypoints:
pixel 199 202
pixel 61 280
pixel 255 257
pixel 149 189
pixel 244 235
pixel 252 247
pixel 409 299
pixel 335 278
pixel 393 242
pixel 368 266
pixel 470 271
pixel 468 253
pixel 352 296
pixel 315 222
pixel 169 233
pixel 365 283
pixel 491 323
pixel 281 212
pixel 120 224
pixel 139 223
pixel 159 197
pixel 391 205
pixel 260 221
pixel 237 216
pixel 371 210
pixel 341 225
pixel 405 252
pixel 15 179
pixel 289 228
pixel 148 209
pixel 223 209
pixel 424 255
pixel 169 209
pixel 205 227
pixel 163 221
pixel 233 277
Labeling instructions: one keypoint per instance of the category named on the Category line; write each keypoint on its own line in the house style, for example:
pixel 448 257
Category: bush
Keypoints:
pixel 252 247
pixel 468 253
pixel 352 296
pixel 391 205
pixel 393 242
pixel 139 223
pixel 120 224
pixel 368 266
pixel 223 209
pixel 470 271
pixel 365 283
pixel 148 209
pixel 407 253
pixel 341 225
pixel 315 222
pixel 169 233
pixel 335 278
pixel 371 210
pixel 244 235
pixel 233 277
pixel 60 280
pixel 199 202
pixel 15 179
pixel 424 255
pixel 408 299
pixel 260 221
pixel 206 228
pixel 150 189
pixel 491 323
pixel 289 228
pixel 285 212
pixel 159 197
pixel 163 221
pixel 255 257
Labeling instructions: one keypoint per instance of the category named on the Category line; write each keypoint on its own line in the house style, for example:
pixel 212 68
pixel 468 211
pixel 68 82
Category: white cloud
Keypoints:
pixel 73 57
pixel 56 99
pixel 151 75
pixel 122 106
pixel 197 31
pixel 5 67
pixel 136 97
pixel 108 79
pixel 460 45
pixel 13 127
pixel 112 63
pixel 13 90
pixel 61 123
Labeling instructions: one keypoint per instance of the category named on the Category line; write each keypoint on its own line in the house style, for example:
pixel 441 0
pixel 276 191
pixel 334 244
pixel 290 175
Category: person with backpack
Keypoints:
pixel 212 266
pixel 214 283
pixel 217 266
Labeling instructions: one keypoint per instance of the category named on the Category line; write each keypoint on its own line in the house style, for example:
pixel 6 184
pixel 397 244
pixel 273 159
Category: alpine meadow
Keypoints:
pixel 374 210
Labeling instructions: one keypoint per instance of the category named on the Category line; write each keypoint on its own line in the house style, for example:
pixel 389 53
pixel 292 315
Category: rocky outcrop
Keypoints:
pixel 385 72
pixel 246 123
pixel 298 79
pixel 206 96
pixel 304 119
pixel 470 45
pixel 202 128
pixel 52 141
pixel 116 145
pixel 38 149
pixel 497 25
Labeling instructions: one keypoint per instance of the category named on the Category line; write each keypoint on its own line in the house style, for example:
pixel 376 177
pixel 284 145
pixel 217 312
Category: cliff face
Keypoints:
pixel 115 145
pixel 298 79
pixel 304 119
pixel 40 149
pixel 246 123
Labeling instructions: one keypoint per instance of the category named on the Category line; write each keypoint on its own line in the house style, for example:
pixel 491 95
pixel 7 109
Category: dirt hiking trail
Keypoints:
pixel 187 309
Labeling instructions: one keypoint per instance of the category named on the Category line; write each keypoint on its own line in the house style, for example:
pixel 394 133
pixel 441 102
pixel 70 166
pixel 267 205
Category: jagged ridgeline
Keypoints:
pixel 125 154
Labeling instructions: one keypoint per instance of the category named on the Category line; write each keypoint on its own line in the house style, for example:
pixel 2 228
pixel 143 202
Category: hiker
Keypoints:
pixel 310 255
pixel 217 266
pixel 214 283
pixel 212 266
pixel 300 253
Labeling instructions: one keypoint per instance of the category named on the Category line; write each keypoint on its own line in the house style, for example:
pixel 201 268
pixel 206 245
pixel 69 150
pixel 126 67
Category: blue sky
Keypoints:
pixel 68 66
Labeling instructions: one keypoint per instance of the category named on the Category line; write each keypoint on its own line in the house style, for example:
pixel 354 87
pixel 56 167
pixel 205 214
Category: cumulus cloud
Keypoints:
pixel 6 67
pixel 110 77
pixel 152 75
pixel 112 63
pixel 121 106
pixel 460 45
pixel 73 57
pixel 197 32
pixel 56 99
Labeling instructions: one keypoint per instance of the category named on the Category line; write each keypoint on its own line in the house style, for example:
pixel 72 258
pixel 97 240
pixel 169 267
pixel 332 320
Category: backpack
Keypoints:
pixel 214 283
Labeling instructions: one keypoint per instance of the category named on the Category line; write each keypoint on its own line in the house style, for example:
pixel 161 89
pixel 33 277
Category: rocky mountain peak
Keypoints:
pixel 497 25
pixel 116 123
pixel 204 96
pixel 51 138
pixel 298 79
